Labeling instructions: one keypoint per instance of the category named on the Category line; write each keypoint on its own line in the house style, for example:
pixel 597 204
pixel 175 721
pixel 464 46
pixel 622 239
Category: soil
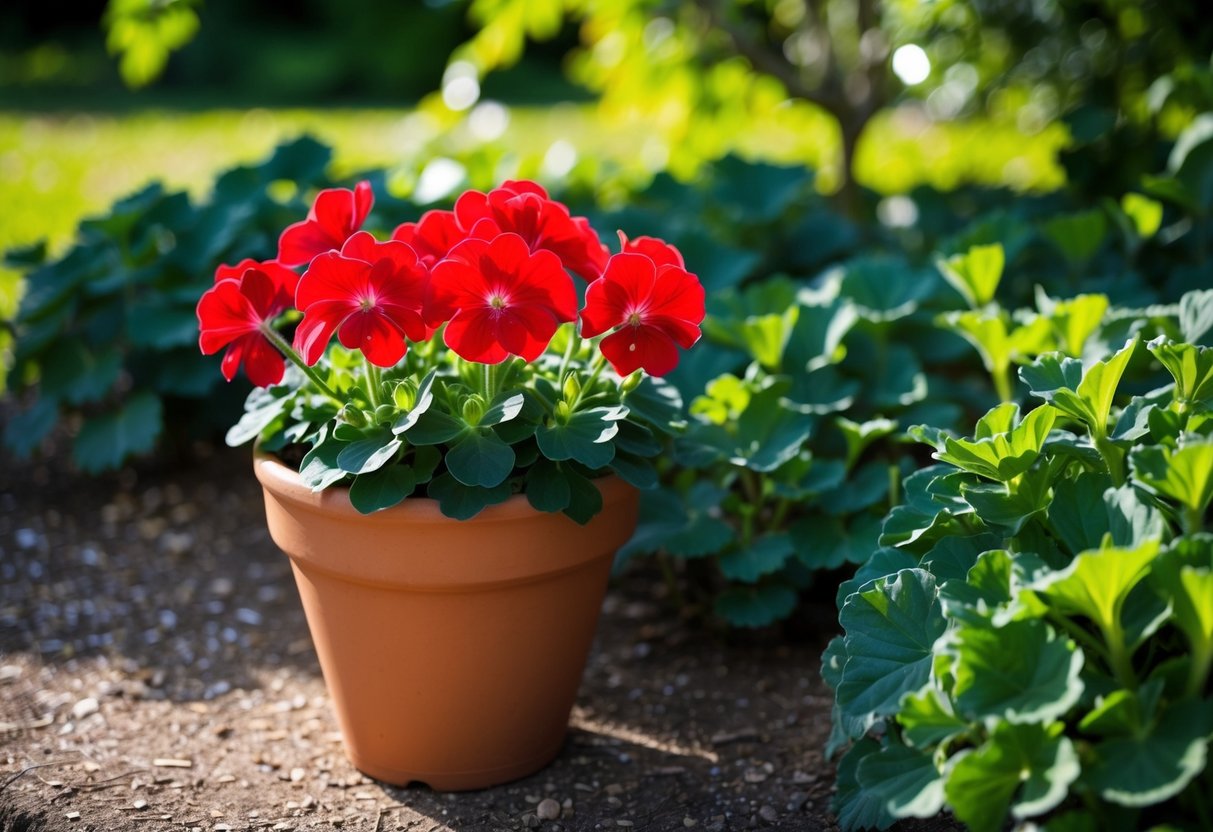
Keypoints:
pixel 156 674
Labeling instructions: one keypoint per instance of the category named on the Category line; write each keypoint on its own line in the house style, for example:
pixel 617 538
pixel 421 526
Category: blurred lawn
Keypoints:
pixel 56 169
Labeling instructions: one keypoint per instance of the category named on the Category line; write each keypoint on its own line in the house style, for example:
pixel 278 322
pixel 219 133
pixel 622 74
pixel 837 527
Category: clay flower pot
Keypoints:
pixel 452 650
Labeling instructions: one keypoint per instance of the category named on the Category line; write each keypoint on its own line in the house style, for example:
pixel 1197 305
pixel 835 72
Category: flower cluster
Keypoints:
pixel 491 276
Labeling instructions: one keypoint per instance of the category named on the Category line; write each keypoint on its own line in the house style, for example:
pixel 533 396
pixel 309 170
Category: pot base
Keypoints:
pixel 458 781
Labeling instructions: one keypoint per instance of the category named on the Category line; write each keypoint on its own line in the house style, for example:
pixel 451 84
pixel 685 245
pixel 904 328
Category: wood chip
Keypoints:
pixel 172 762
pixel 225 778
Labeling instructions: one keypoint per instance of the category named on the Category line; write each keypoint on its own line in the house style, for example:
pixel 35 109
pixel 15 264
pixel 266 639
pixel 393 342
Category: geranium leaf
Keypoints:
pixel 976 273
pixel 505 407
pixel 761 557
pixel 1073 321
pixel 25 430
pixel 586 437
pixel 927 718
pixel 1055 379
pixel 1001 454
pixel 1152 765
pixel 987 332
pixel 856 807
pixel 766 336
pixel 585 500
pixel 105 441
pixel 547 489
pixel 1185 475
pixel 1021 672
pixel 755 606
pixel 370 453
pixel 421 401
pixel 382 489
pixel 1196 317
pixel 891 628
pixel 433 427
pixel 1078 235
pixel 868 486
pixel 634 470
pixel 1097 583
pixel 859 435
pixel 1190 366
pixel 769 433
pixel 1131 520
pixel 906 780
pixel 657 403
pixel 880 564
pixel 1027 769
pixel 1078 513
pixel 463 502
pixel 319 468
pixel 261 409
pixel 1188 588
pixel 480 458
pixel 953 557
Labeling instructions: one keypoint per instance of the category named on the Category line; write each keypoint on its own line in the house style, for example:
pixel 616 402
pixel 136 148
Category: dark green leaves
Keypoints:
pixel 480 458
pixel 1003 447
pixel 382 489
pixel 105 441
pixel 584 438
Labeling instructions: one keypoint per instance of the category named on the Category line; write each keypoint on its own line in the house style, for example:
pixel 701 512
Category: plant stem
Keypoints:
pixel 569 352
pixel 1193 520
pixel 780 513
pixel 1112 456
pixel 283 347
pixel 490 381
pixel 1199 675
pixel 372 383
pixel 1118 657
pixel 599 366
pixel 1002 383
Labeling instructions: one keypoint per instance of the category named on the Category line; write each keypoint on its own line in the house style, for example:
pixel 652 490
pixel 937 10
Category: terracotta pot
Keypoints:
pixel 452 650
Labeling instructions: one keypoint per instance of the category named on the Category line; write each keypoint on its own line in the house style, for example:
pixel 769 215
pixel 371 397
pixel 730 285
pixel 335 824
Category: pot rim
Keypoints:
pixel 280 478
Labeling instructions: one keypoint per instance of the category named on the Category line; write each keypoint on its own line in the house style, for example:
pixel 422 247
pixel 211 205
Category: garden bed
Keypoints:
pixel 156 673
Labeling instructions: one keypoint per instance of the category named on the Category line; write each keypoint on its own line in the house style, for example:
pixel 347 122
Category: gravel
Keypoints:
pixel 156 673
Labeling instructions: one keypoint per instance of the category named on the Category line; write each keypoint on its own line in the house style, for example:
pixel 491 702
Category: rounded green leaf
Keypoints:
pixel 481 459
pixel 382 489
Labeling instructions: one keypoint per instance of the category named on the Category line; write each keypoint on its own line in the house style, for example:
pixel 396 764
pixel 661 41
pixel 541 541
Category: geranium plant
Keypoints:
pixel 468 363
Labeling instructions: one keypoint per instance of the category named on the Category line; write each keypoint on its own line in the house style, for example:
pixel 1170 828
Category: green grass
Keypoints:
pixel 57 169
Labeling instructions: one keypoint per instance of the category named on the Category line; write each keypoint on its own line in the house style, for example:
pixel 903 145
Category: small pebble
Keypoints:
pixel 531 821
pixel 689 821
pixel 548 809
pixel 297 774
pixel 139 804
pixel 72 816
pixel 85 707
pixel 768 814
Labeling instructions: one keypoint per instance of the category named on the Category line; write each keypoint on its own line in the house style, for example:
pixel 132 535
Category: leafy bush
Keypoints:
pixel 1034 638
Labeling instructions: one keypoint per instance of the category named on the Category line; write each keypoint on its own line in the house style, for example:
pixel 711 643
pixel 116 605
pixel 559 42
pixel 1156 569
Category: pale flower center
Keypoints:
pixel 497 302
pixel 634 319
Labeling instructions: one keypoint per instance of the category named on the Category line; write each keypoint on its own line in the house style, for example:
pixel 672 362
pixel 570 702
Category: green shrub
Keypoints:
pixel 1034 638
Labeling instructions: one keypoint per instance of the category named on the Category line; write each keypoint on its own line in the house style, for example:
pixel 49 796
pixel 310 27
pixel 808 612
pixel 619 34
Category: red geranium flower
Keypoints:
pixel 524 208
pixel 500 299
pixel 285 280
pixel 433 236
pixel 232 314
pixel 371 293
pixel 659 251
pixel 336 214
pixel 653 309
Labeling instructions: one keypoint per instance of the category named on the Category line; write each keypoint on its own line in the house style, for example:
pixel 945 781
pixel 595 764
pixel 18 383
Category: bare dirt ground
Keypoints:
pixel 156 674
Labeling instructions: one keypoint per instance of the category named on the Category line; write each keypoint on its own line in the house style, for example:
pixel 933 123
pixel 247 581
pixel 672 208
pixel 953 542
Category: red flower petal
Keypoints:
pixel 525 331
pixel 471 333
pixel 657 250
pixel 335 215
pixel 372 332
pixel 231 314
pixel 640 347
pixel 263 364
pixel 316 329
pixel 433 236
pixel 332 276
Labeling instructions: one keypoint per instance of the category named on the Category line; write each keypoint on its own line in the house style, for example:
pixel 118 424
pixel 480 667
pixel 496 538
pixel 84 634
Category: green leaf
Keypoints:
pixel 1145 213
pixel 755 606
pixel 505 407
pixel 586 437
pixel 1196 316
pixel 1021 672
pixel 382 489
pixel 881 563
pixel 1026 769
pixel 1078 513
pixel 369 453
pixel 72 373
pixel 463 502
pixel 1188 589
pixel 761 557
pixel 952 558
pixel 1097 583
pixel 1090 401
pixel 1190 366
pixel 857 807
pixel 891 629
pixel 1074 320
pixel 859 435
pixel 766 336
pixel 976 273
pixel 1078 235
pixel 928 719
pixel 1004 509
pixel 1149 766
pixel 868 486
pixel 261 409
pixel 480 458
pixel 547 488
pixel 319 468
pixel 769 432
pixel 585 500
pixel 107 440
pixel 829 542
pixel 432 427
pixel 1184 475
pixel 25 430
pixel 987 332
pixel 905 780
pixel 821 326
pixel 885 288
pixel 725 398
pixel 422 398
pixel 635 471
pixel 997 453
pixel 1131 520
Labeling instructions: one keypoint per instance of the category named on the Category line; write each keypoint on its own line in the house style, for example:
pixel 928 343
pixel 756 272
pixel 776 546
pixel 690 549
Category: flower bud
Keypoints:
pixel 385 414
pixel 572 387
pixel 563 413
pixel 473 409
pixel 353 416
pixel 405 394
pixel 632 381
